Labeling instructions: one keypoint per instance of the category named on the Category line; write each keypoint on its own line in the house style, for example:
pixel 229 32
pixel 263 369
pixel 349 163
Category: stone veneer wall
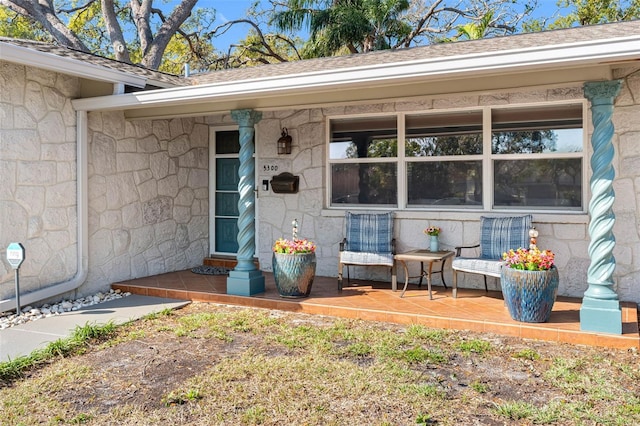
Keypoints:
pixel 148 187
pixel 567 235
pixel 37 175
pixel 148 197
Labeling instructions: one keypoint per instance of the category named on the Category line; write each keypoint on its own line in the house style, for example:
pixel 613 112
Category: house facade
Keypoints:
pixel 110 172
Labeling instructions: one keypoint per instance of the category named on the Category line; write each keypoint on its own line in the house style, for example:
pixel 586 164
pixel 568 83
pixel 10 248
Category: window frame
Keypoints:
pixel 486 157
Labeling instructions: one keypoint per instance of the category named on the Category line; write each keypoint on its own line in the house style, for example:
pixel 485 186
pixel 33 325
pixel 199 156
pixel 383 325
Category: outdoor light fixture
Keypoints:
pixel 284 143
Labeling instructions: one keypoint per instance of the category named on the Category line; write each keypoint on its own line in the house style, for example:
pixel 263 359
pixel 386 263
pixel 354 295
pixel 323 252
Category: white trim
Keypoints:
pixel 65 65
pixel 541 57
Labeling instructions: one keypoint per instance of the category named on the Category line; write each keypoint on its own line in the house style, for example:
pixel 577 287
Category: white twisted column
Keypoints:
pixel 600 309
pixel 246 279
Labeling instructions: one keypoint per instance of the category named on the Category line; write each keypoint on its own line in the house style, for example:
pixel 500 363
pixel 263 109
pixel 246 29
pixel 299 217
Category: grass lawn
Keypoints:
pixel 210 364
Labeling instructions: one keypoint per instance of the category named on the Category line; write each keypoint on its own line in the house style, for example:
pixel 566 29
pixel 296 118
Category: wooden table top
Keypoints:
pixel 424 255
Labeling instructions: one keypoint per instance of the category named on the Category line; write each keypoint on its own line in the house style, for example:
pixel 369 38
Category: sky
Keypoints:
pixel 228 10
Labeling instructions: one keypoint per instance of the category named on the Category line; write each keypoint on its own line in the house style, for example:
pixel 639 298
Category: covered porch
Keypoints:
pixel 473 310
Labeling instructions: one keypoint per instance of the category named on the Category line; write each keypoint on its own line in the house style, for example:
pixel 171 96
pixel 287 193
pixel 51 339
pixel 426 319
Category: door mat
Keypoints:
pixel 210 270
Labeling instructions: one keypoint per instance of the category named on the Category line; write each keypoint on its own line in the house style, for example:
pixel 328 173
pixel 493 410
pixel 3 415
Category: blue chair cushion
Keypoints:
pixel 500 234
pixel 371 233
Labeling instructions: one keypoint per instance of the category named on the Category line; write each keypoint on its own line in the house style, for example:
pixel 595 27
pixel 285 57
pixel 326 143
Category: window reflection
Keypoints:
pixel 373 183
pixel 538 183
pixel 451 183
pixel 364 138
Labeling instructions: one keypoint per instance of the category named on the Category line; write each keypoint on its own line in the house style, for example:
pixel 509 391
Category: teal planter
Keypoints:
pixel 294 273
pixel 529 295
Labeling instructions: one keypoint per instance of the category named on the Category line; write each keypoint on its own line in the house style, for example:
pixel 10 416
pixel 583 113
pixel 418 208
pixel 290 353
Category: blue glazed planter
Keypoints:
pixel 529 295
pixel 294 273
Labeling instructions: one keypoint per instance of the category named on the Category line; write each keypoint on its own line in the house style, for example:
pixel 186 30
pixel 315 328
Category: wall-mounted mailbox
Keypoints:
pixel 285 183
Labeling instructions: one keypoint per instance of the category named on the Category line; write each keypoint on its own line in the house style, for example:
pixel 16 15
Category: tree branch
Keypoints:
pixel 115 32
pixel 44 13
pixel 75 9
pixel 141 13
pixel 153 56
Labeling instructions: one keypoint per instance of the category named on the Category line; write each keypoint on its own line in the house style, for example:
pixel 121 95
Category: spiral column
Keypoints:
pixel 246 279
pixel 600 309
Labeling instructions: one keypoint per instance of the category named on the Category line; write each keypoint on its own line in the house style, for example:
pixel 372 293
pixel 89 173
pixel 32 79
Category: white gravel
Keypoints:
pixel 29 313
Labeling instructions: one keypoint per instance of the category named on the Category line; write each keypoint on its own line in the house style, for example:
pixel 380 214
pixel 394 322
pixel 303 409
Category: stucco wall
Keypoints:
pixel 148 197
pixel 37 175
pixel 565 234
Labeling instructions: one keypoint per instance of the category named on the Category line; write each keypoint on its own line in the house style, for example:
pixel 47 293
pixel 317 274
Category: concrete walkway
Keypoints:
pixel 25 338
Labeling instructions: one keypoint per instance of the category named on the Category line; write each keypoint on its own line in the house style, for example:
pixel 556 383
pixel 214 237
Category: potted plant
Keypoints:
pixel 529 281
pixel 294 265
pixel 433 232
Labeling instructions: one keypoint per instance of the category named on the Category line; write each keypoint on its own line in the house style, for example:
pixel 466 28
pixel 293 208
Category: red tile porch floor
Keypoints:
pixel 474 310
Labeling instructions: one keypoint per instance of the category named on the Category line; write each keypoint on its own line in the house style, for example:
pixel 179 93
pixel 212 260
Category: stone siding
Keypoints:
pixel 148 197
pixel 37 175
pixel 565 234
pixel 148 187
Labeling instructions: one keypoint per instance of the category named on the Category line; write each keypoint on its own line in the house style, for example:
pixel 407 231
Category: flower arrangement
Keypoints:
pixel 532 259
pixel 433 231
pixel 295 245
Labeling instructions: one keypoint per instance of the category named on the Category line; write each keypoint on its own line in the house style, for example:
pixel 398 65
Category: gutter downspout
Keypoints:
pixel 82 230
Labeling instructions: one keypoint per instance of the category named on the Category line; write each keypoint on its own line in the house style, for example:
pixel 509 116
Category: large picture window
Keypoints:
pixel 489 158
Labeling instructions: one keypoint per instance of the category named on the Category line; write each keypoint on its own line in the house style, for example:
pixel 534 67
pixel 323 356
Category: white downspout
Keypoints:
pixel 82 232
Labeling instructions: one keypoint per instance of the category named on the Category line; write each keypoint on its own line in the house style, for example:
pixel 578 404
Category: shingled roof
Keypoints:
pixel 442 50
pixel 66 52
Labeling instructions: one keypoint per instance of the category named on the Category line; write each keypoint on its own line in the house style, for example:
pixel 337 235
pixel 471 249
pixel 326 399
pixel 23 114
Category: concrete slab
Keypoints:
pixel 25 338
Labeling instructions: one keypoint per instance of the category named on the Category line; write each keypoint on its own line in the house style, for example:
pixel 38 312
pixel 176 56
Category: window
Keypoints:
pixel 444 159
pixel 537 157
pixel 364 161
pixel 489 158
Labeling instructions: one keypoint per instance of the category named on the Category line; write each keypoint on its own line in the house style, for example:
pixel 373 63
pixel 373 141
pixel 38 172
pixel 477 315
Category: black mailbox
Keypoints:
pixel 285 183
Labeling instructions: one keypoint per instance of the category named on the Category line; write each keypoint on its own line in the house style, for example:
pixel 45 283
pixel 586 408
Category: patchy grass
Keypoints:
pixel 81 337
pixel 211 364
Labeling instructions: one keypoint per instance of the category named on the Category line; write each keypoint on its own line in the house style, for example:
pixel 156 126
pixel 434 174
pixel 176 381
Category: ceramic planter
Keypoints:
pixel 529 295
pixel 294 273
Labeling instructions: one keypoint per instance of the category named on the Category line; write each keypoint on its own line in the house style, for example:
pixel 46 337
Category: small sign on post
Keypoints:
pixel 15 257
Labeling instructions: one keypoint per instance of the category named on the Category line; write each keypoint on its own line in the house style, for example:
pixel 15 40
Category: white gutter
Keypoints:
pixel 82 230
pixel 66 65
pixel 516 60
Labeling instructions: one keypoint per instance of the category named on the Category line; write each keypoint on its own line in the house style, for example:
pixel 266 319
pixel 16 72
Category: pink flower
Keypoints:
pixel 294 246
pixel 433 231
pixel 529 260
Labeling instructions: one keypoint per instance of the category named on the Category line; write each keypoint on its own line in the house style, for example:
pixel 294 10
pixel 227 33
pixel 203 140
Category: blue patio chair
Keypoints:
pixel 497 235
pixel 369 242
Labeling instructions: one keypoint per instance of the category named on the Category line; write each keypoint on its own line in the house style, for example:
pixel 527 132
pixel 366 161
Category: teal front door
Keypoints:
pixel 224 229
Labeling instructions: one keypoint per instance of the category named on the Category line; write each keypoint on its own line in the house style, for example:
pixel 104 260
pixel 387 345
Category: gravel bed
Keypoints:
pixel 29 313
